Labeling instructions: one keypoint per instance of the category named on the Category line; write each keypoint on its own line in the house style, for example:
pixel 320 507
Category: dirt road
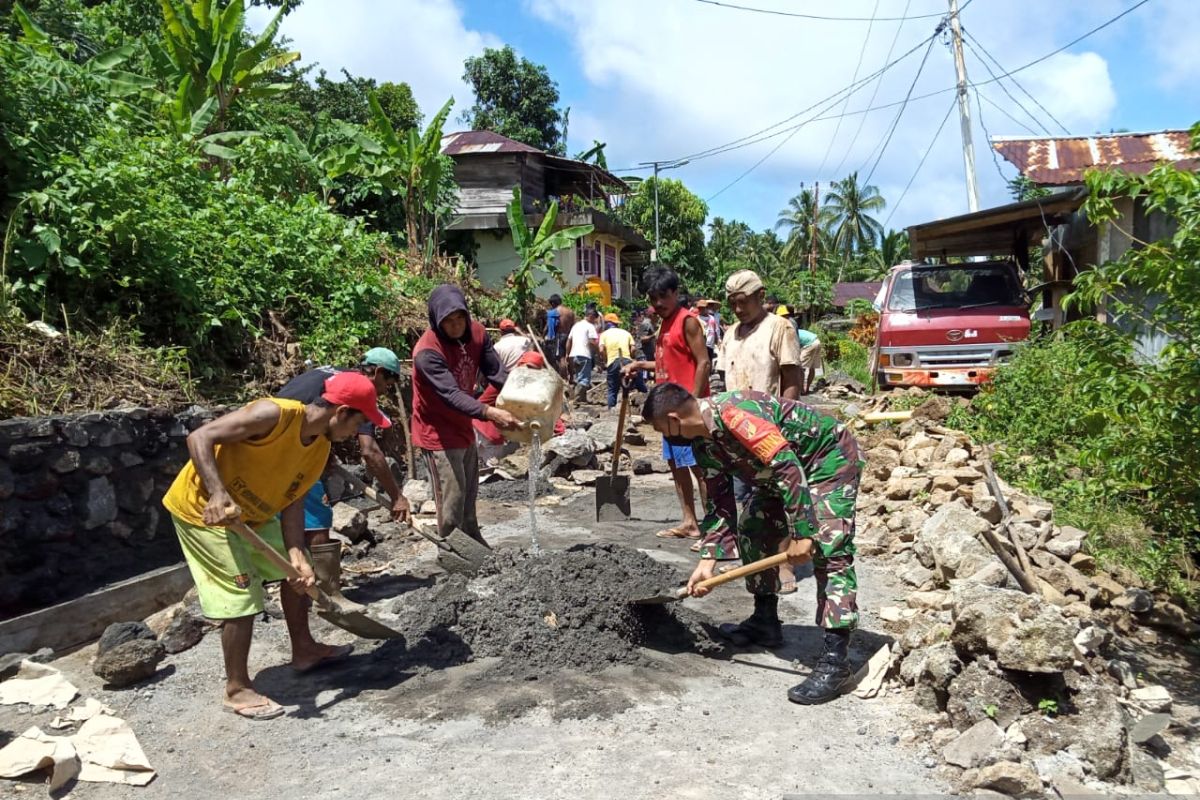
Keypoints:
pixel 686 727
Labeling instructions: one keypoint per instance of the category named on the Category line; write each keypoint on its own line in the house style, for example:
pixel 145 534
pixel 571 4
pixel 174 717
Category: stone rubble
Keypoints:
pixel 1030 694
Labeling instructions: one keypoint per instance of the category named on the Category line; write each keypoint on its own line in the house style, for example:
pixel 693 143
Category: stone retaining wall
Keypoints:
pixel 80 501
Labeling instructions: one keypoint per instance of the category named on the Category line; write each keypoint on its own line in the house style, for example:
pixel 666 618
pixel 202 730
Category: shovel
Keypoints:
pixel 458 552
pixel 356 622
pixel 612 491
pixel 671 595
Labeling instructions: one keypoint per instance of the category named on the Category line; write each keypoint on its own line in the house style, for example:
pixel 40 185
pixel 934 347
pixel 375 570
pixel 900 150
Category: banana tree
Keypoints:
pixel 412 165
pixel 205 60
pixel 536 249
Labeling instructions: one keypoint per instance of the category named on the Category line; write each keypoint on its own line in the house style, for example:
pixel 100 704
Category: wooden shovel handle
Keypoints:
pixel 247 533
pixel 616 464
pixel 777 560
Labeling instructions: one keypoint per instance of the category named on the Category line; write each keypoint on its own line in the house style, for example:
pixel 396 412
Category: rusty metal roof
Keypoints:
pixel 845 291
pixel 1056 161
pixel 456 144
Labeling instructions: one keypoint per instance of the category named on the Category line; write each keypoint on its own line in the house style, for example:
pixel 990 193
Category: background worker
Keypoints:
pixel 256 464
pixel 760 354
pixel 553 316
pixel 583 346
pixel 810 358
pixel 447 362
pixel 616 352
pixel 803 468
pixel 712 328
pixel 382 367
pixel 647 338
pixel 681 357
pixel 512 344
pixel 562 343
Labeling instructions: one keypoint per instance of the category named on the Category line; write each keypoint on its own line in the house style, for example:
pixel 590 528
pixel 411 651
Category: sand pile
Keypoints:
pixel 558 610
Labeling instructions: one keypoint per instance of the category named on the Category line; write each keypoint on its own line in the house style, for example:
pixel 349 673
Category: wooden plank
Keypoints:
pixel 83 619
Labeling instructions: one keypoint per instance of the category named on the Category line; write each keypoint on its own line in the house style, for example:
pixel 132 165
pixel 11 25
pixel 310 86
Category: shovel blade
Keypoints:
pixel 612 498
pixel 356 622
pixel 468 549
pixel 662 598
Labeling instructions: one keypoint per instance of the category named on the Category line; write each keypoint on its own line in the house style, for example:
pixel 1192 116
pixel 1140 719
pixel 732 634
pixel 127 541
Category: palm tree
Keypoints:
pixel 797 220
pixel 850 207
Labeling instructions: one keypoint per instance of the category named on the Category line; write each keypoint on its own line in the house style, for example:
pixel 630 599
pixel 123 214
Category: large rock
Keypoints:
pixel 349 521
pixel 129 662
pixel 948 542
pixel 1093 729
pixel 935 408
pixel 977 746
pixel 1067 542
pixel 119 633
pixel 935 665
pixel 573 445
pixel 1020 631
pixel 1009 777
pixel 603 435
pixel 184 632
pixel 983 691
pixel 99 503
pixel 417 492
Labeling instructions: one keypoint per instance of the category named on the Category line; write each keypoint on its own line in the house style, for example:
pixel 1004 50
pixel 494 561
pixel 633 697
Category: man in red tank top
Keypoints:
pixel 681 357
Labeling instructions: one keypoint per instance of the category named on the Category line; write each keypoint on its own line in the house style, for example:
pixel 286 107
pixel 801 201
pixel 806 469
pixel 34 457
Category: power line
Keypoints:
pixel 1014 80
pixel 819 17
pixel 903 106
pixel 921 163
pixel 1002 110
pixel 1036 121
pixel 762 135
pixel 988 134
pixel 853 78
pixel 762 138
pixel 874 93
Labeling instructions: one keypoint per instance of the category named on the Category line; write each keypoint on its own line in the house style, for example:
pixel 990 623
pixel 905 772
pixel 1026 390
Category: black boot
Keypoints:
pixel 762 628
pixel 831 676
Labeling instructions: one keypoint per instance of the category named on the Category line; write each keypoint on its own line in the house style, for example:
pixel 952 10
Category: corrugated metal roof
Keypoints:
pixel 846 291
pixel 1055 161
pixel 455 144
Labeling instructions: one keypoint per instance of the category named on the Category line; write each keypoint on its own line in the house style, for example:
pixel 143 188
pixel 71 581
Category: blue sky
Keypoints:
pixel 660 79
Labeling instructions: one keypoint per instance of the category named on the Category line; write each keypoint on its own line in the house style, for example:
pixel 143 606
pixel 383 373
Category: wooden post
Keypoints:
pixel 1022 571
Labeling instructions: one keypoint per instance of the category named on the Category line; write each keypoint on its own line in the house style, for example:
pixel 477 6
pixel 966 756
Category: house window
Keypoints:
pixel 610 269
pixel 583 257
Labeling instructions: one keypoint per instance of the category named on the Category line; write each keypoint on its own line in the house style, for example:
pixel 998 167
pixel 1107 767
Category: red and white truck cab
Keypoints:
pixel 948 325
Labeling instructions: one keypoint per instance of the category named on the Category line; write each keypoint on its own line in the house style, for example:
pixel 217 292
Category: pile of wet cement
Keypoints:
pixel 539 614
pixel 516 491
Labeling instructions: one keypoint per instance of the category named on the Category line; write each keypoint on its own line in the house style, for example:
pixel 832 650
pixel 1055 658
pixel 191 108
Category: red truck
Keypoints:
pixel 948 325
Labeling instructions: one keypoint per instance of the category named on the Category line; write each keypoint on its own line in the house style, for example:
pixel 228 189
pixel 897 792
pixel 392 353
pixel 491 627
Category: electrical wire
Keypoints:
pixel 1036 120
pixel 921 163
pixel 861 53
pixel 874 93
pixel 900 113
pixel 1003 110
pixel 969 38
pixel 988 134
pixel 824 18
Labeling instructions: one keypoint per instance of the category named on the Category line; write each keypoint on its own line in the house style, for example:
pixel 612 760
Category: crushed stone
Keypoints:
pixel 560 610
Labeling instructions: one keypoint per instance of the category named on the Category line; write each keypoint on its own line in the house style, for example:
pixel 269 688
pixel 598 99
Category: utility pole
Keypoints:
pixel 812 256
pixel 658 166
pixel 964 108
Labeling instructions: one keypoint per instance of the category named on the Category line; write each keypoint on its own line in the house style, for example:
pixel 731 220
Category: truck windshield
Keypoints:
pixel 955 286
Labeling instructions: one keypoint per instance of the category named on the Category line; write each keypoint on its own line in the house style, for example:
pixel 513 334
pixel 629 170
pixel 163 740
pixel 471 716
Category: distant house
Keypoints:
pixel 1069 242
pixel 846 291
pixel 487 166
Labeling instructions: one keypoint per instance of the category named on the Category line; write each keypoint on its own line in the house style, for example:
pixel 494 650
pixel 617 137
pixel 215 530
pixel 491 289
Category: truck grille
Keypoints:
pixel 955 358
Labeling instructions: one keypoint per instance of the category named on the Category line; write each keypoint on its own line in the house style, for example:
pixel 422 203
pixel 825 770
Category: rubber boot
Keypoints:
pixel 831 675
pixel 327 566
pixel 762 628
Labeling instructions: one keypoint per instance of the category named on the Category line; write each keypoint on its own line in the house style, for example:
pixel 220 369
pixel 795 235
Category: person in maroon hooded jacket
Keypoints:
pixel 447 362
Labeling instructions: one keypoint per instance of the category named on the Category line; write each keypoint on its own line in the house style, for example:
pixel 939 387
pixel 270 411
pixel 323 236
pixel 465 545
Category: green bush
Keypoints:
pixel 843 354
pixel 1113 441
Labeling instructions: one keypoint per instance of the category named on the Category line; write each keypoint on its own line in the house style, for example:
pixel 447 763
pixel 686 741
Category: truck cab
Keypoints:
pixel 948 325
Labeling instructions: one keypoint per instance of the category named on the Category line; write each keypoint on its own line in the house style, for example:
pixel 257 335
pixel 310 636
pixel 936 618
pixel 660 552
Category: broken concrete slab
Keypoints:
pixel 1009 777
pixel 1067 542
pixel 976 746
pixel 1155 699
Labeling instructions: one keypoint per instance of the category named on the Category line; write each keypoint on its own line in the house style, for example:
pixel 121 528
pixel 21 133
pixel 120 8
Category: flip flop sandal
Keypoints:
pixel 695 548
pixel 269 710
pixel 672 533
pixel 338 654
pixel 787 588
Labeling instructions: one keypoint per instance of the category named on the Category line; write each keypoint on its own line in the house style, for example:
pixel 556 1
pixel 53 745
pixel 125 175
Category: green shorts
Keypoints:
pixel 228 572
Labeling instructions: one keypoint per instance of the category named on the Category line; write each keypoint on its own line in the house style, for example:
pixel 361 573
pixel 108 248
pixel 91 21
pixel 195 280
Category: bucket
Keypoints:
pixel 534 396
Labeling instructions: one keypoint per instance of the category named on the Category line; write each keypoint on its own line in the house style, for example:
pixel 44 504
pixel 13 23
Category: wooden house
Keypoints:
pixel 487 166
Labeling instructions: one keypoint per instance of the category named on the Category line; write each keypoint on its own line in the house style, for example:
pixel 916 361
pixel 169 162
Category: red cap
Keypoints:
pixel 356 391
pixel 507 325
pixel 532 359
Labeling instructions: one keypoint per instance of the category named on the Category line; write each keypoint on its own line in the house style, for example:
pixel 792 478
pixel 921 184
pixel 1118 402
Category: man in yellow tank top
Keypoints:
pixel 253 464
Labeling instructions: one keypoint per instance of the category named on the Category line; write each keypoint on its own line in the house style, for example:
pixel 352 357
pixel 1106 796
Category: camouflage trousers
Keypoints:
pixel 763 531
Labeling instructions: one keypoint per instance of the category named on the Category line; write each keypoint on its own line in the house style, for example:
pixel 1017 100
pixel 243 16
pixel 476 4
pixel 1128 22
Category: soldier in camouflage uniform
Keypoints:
pixel 803 468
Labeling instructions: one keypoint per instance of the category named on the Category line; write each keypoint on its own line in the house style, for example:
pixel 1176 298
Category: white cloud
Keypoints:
pixel 1172 36
pixel 420 42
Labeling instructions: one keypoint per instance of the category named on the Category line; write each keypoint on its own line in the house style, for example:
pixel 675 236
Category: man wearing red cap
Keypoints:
pixel 512 344
pixel 253 464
